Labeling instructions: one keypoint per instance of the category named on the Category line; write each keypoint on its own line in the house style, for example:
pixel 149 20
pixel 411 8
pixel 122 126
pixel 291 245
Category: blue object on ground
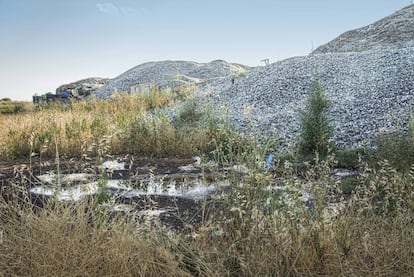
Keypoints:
pixel 269 164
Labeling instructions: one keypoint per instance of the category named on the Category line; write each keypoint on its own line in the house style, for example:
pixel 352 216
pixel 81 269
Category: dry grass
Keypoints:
pixel 14 107
pixel 67 241
pixel 255 233
pixel 242 240
pixel 122 124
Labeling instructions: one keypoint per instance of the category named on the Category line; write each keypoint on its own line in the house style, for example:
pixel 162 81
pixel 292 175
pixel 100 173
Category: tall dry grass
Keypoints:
pixel 67 241
pixel 126 123
pixel 251 234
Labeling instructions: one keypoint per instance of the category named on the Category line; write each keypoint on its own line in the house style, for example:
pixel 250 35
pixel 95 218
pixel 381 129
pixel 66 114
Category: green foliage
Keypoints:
pixel 385 191
pixel 315 126
pixel 397 148
pixel 156 98
pixel 10 107
pixel 102 196
pixel 348 185
pixel 350 157
pixel 188 114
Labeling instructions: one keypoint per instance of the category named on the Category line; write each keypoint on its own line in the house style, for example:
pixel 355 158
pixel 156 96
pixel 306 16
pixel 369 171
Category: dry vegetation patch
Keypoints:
pixel 258 230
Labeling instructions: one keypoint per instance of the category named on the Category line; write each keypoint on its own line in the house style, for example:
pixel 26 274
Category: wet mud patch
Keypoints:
pixel 172 192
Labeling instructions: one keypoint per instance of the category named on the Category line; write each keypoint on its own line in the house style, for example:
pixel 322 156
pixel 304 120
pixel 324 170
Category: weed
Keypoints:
pixel 395 147
pixel 189 115
pixel 349 185
pixel 350 158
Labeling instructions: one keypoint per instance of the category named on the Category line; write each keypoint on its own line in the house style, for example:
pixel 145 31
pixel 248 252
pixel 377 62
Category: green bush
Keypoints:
pixel 316 129
pixel 386 191
pixel 8 107
pixel 350 157
pixel 189 115
pixel 348 185
pixel 397 148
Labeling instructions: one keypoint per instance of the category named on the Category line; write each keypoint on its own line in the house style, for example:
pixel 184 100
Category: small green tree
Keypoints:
pixel 315 127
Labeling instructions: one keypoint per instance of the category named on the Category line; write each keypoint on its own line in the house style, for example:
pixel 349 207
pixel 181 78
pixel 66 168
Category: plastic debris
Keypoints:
pixel 269 167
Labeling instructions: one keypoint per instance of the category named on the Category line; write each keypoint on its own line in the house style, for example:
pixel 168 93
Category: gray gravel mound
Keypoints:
pixel 369 92
pixel 368 75
pixel 169 74
pixel 144 74
pixel 394 31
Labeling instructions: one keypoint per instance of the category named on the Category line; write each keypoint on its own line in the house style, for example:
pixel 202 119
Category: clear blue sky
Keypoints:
pixel 46 43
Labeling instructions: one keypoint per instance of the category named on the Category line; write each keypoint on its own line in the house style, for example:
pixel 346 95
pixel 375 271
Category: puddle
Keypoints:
pixel 125 208
pixel 195 189
pixel 191 187
pixel 171 201
pixel 66 179
pixel 75 193
pixel 172 197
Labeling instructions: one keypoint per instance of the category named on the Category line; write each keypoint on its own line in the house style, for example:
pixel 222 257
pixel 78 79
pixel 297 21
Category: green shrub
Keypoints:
pixel 386 191
pixel 316 129
pixel 397 148
pixel 8 107
pixel 348 185
pixel 350 157
pixel 188 114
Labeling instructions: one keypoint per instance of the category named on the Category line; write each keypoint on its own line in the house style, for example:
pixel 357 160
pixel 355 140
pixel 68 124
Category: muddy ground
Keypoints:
pixel 176 211
pixel 171 192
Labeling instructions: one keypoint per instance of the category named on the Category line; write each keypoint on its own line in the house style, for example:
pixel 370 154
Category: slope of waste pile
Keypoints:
pixel 367 73
pixel 172 74
pixel 369 92
pixel 393 31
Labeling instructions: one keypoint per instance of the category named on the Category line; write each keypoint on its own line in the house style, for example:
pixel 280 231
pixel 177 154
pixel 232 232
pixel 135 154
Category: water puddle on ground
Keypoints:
pixel 171 200
pixel 167 194
pixel 75 187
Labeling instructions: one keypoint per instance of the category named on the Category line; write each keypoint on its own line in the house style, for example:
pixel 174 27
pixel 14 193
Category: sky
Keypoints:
pixel 47 43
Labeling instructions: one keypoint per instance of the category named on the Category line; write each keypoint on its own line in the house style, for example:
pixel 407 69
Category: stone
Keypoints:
pixel 83 88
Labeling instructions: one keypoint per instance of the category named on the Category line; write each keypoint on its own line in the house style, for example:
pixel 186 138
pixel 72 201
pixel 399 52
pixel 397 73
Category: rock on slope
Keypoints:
pixel 394 31
pixel 83 87
pixel 170 74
